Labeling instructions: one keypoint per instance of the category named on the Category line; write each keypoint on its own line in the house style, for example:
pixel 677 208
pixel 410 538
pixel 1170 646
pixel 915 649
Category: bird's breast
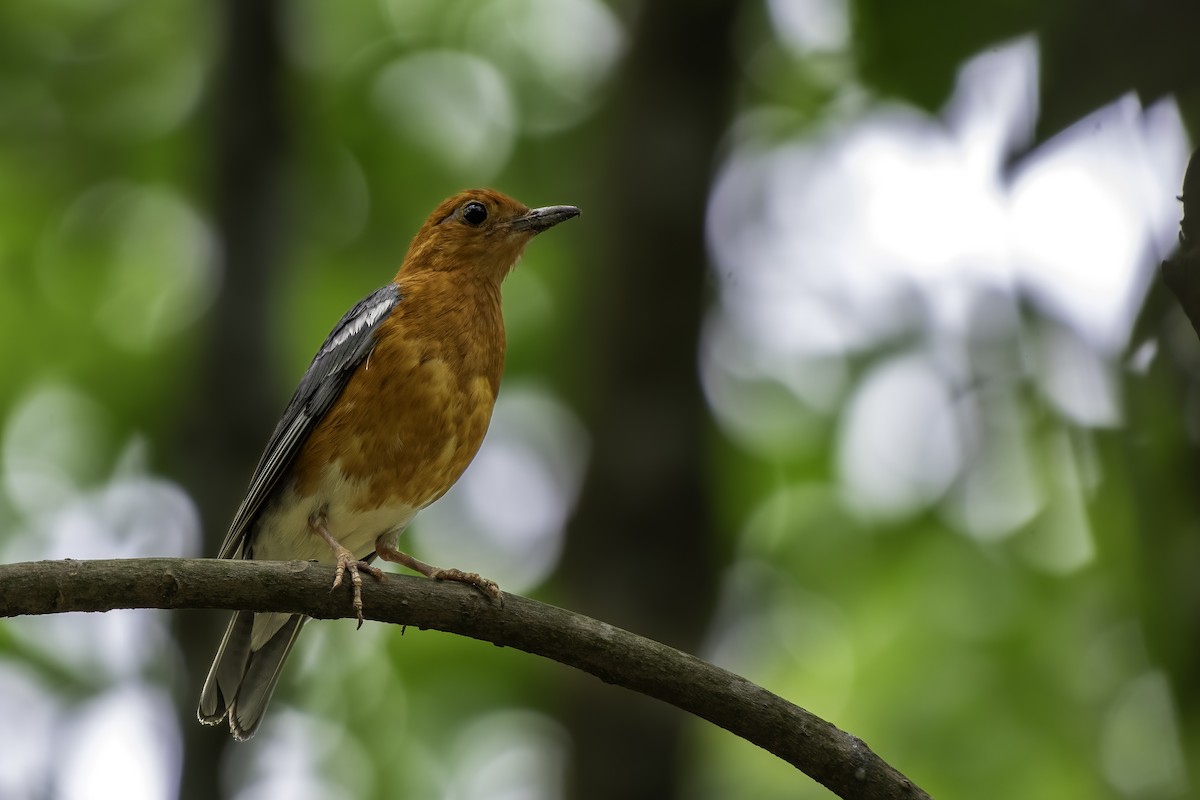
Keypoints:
pixel 414 413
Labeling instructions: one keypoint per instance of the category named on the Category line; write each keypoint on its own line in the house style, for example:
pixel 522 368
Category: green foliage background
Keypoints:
pixel 155 313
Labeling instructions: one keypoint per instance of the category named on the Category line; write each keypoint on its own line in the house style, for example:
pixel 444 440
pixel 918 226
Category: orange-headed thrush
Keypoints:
pixel 386 418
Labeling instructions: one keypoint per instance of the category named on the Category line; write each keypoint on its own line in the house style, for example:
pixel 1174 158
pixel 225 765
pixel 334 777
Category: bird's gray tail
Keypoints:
pixel 244 672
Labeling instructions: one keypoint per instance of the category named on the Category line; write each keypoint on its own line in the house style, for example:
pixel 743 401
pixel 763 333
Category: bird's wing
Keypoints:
pixel 351 340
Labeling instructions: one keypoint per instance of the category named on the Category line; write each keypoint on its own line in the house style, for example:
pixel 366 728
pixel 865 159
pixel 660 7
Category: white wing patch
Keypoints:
pixel 365 319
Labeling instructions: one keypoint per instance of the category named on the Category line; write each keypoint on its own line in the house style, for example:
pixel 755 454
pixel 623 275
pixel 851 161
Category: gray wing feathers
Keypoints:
pixel 350 341
pixel 284 445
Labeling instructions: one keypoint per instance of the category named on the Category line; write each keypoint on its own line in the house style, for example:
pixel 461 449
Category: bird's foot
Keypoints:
pixel 485 585
pixel 388 552
pixel 346 562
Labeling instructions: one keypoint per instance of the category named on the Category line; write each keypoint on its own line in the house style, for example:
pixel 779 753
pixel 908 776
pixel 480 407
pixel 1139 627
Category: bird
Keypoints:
pixel 385 420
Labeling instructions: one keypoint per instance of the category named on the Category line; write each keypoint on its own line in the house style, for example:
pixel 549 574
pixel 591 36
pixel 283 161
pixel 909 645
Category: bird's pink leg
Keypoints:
pixel 388 552
pixel 346 561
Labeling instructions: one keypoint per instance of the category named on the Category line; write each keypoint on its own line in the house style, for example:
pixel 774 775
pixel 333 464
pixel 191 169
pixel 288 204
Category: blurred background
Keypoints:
pixel 854 377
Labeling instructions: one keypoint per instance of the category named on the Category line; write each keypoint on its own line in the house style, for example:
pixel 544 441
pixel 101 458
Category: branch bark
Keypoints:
pixel 836 759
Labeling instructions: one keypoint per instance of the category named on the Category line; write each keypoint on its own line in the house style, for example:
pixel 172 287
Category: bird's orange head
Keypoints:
pixel 479 232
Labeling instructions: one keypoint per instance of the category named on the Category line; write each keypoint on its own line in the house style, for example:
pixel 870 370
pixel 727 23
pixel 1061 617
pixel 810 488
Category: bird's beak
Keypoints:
pixel 539 219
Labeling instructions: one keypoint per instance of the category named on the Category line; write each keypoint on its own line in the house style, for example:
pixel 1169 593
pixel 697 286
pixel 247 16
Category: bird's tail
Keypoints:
pixel 245 671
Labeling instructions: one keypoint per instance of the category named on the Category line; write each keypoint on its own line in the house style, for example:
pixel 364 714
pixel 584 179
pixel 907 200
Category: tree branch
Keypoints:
pixel 841 762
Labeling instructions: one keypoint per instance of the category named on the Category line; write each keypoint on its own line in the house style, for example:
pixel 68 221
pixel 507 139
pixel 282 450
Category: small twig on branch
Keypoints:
pixel 841 762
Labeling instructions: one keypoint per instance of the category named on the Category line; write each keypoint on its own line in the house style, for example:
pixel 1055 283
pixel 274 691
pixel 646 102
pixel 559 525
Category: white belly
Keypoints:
pixel 284 533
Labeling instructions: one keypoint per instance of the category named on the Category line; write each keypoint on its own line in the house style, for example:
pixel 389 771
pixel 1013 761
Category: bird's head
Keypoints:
pixel 481 232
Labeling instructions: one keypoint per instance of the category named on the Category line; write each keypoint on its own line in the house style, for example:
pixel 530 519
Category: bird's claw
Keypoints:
pixel 485 585
pixel 346 562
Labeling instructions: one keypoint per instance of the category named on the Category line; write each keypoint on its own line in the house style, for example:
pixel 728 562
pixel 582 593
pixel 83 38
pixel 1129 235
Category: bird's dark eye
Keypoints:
pixel 474 213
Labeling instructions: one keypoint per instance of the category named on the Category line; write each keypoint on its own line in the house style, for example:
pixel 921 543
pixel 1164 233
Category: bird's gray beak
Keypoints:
pixel 539 219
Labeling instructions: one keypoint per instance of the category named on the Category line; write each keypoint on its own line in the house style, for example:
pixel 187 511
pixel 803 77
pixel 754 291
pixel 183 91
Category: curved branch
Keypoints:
pixel 830 756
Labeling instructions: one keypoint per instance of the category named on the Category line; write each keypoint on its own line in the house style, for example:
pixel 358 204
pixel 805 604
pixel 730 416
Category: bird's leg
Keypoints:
pixel 386 550
pixel 346 561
